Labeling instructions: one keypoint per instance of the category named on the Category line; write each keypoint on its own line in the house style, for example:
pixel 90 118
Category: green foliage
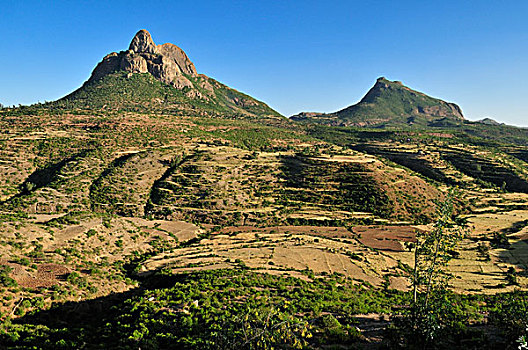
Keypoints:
pixel 72 218
pixel 264 328
pixel 5 279
pixel 221 309
pixel 510 315
pixel 144 93
pixel 499 240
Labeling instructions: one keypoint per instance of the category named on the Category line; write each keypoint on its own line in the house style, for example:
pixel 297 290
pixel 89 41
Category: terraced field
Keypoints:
pixel 489 171
pixel 96 205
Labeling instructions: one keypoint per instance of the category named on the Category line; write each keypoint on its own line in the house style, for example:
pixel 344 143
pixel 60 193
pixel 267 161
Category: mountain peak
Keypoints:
pixel 384 83
pixel 167 63
pixel 142 42
pixel 390 103
pixel 489 121
pixel 160 77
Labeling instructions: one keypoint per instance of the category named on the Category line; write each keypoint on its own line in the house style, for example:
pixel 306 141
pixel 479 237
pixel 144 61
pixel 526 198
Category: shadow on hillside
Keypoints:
pixel 42 177
pixel 78 313
pixel 413 161
pixel 77 323
pixel 515 253
pixel 488 172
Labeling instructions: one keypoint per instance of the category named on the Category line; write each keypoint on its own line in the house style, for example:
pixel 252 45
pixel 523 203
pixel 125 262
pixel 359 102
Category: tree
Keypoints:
pixel 264 329
pixel 431 312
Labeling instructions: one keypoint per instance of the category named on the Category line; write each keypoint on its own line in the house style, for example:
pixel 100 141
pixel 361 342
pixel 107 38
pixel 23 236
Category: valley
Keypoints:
pixel 169 210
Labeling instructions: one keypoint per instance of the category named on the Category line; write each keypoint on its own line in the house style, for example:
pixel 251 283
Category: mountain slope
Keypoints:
pixel 160 77
pixel 390 103
pixel 157 208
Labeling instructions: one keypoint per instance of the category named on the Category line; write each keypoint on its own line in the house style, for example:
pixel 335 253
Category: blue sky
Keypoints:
pixel 294 55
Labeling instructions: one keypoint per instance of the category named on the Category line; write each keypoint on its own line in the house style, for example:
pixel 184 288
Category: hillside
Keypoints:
pixel 95 205
pixel 390 103
pixel 393 106
pixel 156 208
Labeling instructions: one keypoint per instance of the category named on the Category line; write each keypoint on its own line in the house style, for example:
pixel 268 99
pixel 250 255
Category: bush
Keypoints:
pixel 5 280
pixel 510 315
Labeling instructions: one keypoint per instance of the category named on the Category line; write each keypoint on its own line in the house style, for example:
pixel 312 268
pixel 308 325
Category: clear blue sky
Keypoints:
pixel 294 55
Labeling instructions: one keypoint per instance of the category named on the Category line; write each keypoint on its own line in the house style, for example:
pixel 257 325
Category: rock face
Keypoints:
pixel 167 63
pixel 142 42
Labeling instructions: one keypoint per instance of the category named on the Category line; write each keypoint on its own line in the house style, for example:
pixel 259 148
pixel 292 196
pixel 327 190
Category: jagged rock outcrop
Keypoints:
pixel 178 56
pixel 142 42
pixel 134 64
pixel 167 63
pixel 127 79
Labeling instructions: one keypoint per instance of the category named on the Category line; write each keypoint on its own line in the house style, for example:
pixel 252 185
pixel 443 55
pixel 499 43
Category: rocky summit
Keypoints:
pixel 161 77
pixel 167 63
